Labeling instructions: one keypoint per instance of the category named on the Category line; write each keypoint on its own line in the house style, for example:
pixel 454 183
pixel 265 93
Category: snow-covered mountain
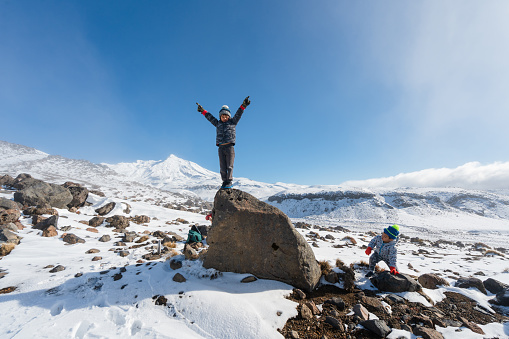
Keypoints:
pixel 177 181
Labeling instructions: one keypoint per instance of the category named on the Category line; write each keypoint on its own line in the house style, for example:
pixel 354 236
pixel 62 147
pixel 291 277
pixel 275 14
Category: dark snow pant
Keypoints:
pixel 226 158
pixel 374 259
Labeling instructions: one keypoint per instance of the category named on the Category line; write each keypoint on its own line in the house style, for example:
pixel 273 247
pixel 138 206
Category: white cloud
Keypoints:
pixel 472 175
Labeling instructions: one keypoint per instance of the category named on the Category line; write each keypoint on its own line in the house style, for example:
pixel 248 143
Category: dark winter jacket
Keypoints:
pixel 387 251
pixel 225 131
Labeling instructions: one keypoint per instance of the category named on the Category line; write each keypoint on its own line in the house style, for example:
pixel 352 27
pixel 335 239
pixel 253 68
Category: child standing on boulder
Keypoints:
pixel 384 249
pixel 225 138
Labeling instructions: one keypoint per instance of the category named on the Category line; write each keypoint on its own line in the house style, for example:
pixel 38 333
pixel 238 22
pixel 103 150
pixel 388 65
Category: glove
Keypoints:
pixel 246 102
pixel 208 217
pixel 368 250
pixel 200 108
pixel 393 270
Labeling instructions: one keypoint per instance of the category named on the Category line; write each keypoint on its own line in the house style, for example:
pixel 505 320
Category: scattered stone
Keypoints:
pixel 97 258
pixel 92 251
pixel 10 226
pixel 93 230
pixel 471 326
pixel 117 276
pixel 294 335
pixel 8 204
pixel 427 333
pixel 8 216
pixel 9 237
pixel 334 323
pixel 129 237
pixel 71 238
pixel 432 281
pixel 271 236
pixel 50 231
pixel 118 221
pixel 123 253
pixel 175 264
pixel 385 281
pixel 45 223
pixel 77 275
pixel 502 297
pixel 471 282
pixel 96 221
pixel 373 305
pixel 179 278
pixel 299 294
pixel 379 327
pixel 361 312
pixel 337 302
pixel 105 209
pixel 305 312
pixel 141 219
pixel 106 238
pixel 160 300
pixel 151 256
pixel 190 253
pixel 6 248
pixel 79 195
pixel 57 269
pixel 249 279
pixel 494 286
pixel 8 289
pixel 142 239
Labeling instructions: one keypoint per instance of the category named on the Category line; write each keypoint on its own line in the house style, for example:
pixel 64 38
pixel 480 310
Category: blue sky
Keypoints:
pixel 340 90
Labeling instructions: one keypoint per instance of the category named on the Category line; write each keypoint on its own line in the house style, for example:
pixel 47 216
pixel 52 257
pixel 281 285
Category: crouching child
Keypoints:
pixel 384 249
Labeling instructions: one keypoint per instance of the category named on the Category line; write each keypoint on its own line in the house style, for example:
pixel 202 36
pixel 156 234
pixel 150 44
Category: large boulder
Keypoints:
pixel 9 216
pixel 7 180
pixel 250 236
pixel 8 204
pixel 79 194
pixel 494 286
pixel 41 192
pixel 388 282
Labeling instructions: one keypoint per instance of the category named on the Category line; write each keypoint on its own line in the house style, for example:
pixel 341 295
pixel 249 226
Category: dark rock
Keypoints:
pixel 427 333
pixel 51 221
pixel 8 204
pixel 432 281
pixel 175 264
pixel 160 300
pixel 105 209
pixel 71 238
pixel 118 221
pixel 373 305
pixel 96 221
pixel 123 253
pixel 8 216
pixel 97 258
pixel 129 237
pixel 395 299
pixel 79 195
pixel 179 278
pixel 422 320
pixel 494 286
pixel 249 279
pixel 471 326
pixel 57 269
pixel 92 251
pixel 379 327
pixel 276 250
pixel 150 256
pixel 334 323
pixel 336 301
pixel 105 238
pixel 502 297
pixel 385 281
pixel 471 282
pixel 41 192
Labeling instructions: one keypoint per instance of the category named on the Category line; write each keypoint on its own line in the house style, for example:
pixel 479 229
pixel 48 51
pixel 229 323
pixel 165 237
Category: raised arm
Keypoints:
pixel 241 109
pixel 207 115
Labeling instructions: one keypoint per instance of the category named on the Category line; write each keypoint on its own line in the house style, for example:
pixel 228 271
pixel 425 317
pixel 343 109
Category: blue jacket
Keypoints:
pixel 225 131
pixel 387 251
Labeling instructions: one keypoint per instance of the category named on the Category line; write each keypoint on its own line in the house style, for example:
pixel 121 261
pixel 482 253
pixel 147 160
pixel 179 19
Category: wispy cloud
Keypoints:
pixel 472 175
